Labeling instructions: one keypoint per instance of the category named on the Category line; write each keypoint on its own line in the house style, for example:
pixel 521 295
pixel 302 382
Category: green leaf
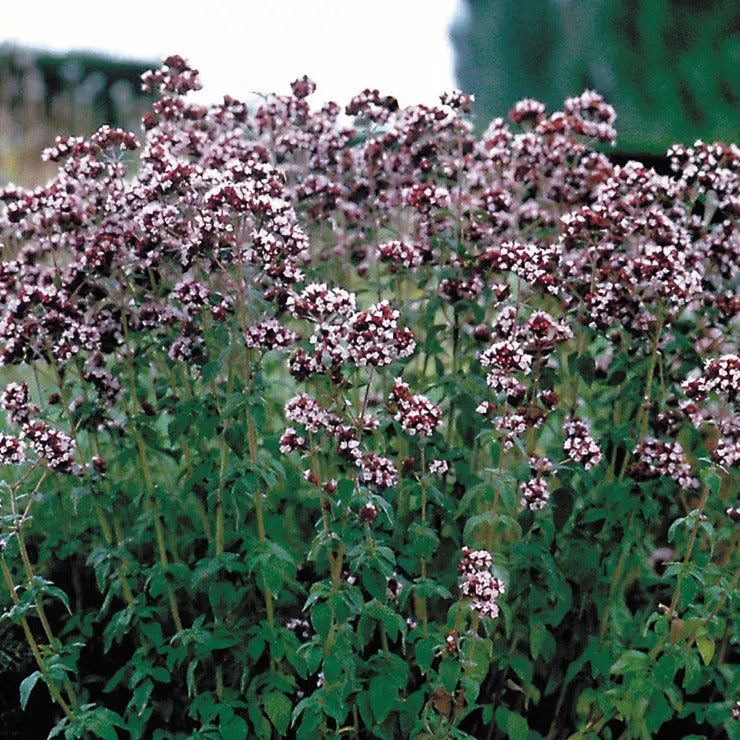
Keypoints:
pixel 630 660
pixel 382 695
pixel 516 725
pixel 236 729
pixel 424 652
pixel 277 707
pixel 536 639
pixel 706 648
pixel 711 478
pixel 332 667
pixel 321 618
pixel 511 723
pixel 27 687
pixel 659 711
pixel 523 667
pixel 272 572
pixel 375 583
pixel 255 647
pixel 449 672
pixel 563 500
pixel 345 490
pixel 586 368
pixel 674 526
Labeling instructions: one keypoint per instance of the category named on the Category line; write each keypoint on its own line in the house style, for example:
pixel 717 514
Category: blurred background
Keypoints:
pixel 670 67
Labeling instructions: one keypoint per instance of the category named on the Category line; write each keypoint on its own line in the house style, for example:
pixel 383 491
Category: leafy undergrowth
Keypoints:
pixel 349 422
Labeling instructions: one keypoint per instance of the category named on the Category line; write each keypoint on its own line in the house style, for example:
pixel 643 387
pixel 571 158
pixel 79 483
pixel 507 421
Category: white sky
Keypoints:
pixel 401 47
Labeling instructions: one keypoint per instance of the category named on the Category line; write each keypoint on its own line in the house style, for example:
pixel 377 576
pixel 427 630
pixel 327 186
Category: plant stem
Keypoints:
pixel 690 547
pixel 421 603
pixel 455 369
pixel 645 408
pixel 54 642
pixel 53 690
pixel 252 442
pixel 152 504
pixel 496 492
pixel 617 574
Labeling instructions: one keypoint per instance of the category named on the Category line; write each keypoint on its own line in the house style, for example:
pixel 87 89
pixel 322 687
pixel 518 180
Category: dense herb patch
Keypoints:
pixel 363 425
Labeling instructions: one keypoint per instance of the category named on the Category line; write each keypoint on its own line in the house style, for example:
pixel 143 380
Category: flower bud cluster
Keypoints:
pixel 478 583
pixel 654 459
pixel 14 399
pixel 579 445
pixel 12 450
pixel 721 376
pixel 534 491
pixel 534 494
pixel 439 467
pixel 291 441
pixel 374 337
pixel 55 446
pixel 416 414
pixel 378 470
pixel 305 410
pixel 269 334
pixel 401 253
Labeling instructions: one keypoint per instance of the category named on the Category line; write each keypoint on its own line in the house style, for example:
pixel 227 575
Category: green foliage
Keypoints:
pixel 669 68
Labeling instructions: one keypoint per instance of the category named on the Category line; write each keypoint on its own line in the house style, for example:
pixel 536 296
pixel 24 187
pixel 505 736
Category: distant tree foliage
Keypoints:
pixel 106 85
pixel 670 67
pixel 43 94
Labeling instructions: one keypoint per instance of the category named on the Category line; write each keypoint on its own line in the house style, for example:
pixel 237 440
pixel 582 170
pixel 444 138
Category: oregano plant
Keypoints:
pixel 351 421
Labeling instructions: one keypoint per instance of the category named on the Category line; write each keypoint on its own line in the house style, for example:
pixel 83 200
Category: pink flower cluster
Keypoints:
pixel 378 470
pixel 579 445
pixel 269 334
pixel 14 399
pixel 654 459
pixel 369 338
pixel 56 447
pixel 534 491
pixel 721 376
pixel 416 414
pixel 400 253
pixel 12 450
pixel 478 583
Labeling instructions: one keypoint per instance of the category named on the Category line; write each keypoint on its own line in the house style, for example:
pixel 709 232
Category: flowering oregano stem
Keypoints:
pixel 496 491
pixel 221 472
pixel 102 521
pixel 671 609
pixel 645 408
pixel 252 443
pixel 108 535
pixel 363 408
pixel 617 419
pixel 54 642
pixel 577 380
pixel 151 504
pixel 729 590
pixel 325 503
pixel 422 602
pixel 532 442
pixel 469 659
pixel 617 575
pixel 122 567
pixel 689 547
pixel 104 526
pixel 53 689
pixel 200 509
pixel 455 362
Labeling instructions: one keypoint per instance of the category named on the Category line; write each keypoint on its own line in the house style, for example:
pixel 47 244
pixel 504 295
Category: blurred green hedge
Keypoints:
pixel 670 67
